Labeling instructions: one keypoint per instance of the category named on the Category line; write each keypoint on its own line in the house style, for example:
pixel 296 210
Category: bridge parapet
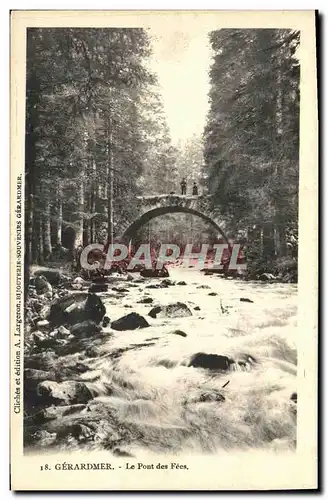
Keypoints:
pixel 199 202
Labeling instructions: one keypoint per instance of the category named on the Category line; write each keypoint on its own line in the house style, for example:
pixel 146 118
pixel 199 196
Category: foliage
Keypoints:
pixel 89 119
pixel 252 131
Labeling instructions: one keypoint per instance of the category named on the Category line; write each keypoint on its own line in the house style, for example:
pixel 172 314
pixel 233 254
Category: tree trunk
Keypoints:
pixel 34 211
pixel 29 229
pixel 59 215
pixel 80 221
pixel 37 228
pixel 47 248
pixel 280 240
pixel 110 185
pixel 39 239
pixel 31 136
pixel 87 223
pixel 280 226
pixel 28 243
pixel 93 194
pixel 268 241
pixel 192 229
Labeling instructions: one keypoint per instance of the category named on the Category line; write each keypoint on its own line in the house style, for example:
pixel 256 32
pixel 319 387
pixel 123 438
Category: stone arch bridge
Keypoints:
pixel 149 207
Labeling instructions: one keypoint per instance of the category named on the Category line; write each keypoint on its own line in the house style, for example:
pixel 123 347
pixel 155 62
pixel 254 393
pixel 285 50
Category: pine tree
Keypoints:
pixel 84 131
pixel 251 136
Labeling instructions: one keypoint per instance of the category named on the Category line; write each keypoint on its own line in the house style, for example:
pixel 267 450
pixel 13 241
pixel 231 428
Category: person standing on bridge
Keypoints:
pixel 183 186
pixel 195 189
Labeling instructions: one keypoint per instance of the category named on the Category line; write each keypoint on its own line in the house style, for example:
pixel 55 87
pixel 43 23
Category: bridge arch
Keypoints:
pixel 152 207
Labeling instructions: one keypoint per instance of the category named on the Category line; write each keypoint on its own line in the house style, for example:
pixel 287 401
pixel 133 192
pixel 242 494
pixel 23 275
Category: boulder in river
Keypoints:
pixel 158 285
pixel 43 323
pixel 154 311
pixel 79 281
pixel 33 377
pixel 168 282
pixel 76 308
pixel 78 431
pixel 53 412
pixel 210 361
pixel 174 310
pixel 145 300
pixel 41 436
pixel 41 361
pixel 246 300
pixel 43 341
pixel 177 310
pixel 205 287
pixel 155 273
pixel 85 329
pixel 212 294
pixel 35 305
pixel 96 349
pixel 120 289
pixel 42 285
pixel 106 321
pixel 131 321
pixel 76 286
pixel 208 396
pixel 211 396
pixel 181 283
pixel 64 393
pixel 117 452
pixel 63 332
pixel 98 288
pixel 293 397
pixel 267 277
pixel 53 276
pixel 60 337
pixel 179 332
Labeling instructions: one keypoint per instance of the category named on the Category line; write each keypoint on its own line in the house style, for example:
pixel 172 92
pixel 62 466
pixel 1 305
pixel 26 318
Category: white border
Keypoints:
pixel 96 4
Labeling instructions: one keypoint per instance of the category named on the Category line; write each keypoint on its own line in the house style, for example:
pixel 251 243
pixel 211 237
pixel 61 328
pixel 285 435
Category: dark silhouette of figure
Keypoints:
pixel 195 189
pixel 183 186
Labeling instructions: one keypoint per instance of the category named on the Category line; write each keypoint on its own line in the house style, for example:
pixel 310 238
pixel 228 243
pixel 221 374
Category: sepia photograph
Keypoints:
pixel 157 242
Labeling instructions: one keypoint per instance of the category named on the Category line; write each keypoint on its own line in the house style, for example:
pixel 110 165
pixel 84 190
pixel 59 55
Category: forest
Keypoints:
pixel 97 137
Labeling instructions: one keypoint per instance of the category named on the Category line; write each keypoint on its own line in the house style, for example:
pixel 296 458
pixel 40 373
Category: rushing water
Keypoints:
pixel 154 400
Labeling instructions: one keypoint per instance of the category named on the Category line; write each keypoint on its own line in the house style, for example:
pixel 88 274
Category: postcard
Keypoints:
pixel 164 239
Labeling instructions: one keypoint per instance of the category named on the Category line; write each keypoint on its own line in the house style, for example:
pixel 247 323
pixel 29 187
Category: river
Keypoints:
pixel 156 402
